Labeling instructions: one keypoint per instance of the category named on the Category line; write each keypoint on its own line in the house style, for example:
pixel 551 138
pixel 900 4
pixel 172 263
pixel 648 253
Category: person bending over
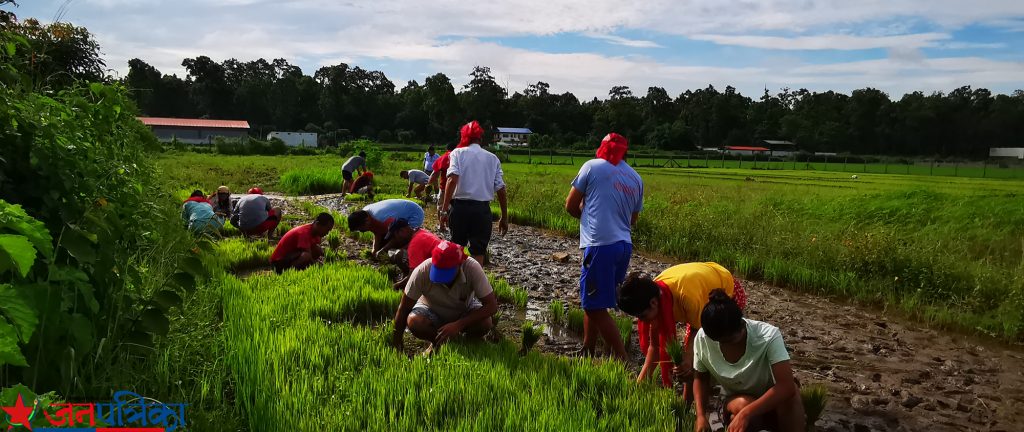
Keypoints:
pixel 418 183
pixel 300 247
pixel 677 295
pixel 377 217
pixel 418 244
pixel 446 296
pixel 354 164
pixel 749 360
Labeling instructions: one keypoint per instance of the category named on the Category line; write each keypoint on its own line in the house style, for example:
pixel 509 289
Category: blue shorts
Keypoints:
pixel 604 268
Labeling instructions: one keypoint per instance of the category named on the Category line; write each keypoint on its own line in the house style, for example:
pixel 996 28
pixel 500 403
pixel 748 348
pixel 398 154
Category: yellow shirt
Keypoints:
pixel 690 285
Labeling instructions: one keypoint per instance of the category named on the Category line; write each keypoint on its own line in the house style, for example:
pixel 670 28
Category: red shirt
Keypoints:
pixel 420 247
pixel 298 239
pixel 441 167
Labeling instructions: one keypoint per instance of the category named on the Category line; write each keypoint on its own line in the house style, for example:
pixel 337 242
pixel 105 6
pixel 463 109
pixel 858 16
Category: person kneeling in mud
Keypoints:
pixel 677 295
pixel 446 296
pixel 749 360
pixel 300 246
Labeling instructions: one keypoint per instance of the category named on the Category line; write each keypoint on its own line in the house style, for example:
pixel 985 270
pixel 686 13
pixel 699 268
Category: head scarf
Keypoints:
pixel 471 134
pixel 613 148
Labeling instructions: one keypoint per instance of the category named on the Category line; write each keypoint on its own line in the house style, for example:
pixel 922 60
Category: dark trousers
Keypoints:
pixel 471 225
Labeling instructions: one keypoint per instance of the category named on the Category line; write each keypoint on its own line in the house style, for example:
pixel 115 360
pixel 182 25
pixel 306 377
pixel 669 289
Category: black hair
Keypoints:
pixel 357 219
pixel 403 172
pixel 451 146
pixel 362 154
pixel 324 219
pixel 430 149
pixel 636 292
pixel 197 193
pixel 721 317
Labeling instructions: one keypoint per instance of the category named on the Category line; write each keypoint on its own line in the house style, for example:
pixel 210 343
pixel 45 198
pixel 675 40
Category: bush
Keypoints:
pixel 105 259
pixel 249 146
pixel 385 136
pixel 374 153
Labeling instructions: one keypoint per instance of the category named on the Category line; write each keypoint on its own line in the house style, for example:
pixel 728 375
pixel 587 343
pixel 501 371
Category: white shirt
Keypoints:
pixel 479 173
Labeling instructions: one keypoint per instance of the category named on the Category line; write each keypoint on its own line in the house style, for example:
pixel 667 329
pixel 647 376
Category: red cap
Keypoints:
pixel 256 191
pixel 368 174
pixel 445 260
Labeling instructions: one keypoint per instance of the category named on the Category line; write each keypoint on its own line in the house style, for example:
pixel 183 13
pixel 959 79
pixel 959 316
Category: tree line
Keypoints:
pixel 344 101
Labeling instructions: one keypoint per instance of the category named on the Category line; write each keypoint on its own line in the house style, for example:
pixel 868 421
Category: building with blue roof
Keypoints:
pixel 514 137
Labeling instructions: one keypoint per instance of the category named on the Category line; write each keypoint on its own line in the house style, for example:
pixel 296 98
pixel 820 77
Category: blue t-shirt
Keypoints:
pixel 612 193
pixel 397 209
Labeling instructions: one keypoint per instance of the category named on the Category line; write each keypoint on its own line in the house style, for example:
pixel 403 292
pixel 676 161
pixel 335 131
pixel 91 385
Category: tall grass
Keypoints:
pixel 312 181
pixel 295 371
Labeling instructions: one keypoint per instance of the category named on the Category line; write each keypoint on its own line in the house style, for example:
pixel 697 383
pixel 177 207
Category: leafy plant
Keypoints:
pixel 815 397
pixel 556 312
pixel 675 351
pixel 531 334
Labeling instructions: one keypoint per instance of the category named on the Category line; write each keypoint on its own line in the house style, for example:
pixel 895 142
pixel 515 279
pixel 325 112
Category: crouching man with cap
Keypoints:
pixel 446 296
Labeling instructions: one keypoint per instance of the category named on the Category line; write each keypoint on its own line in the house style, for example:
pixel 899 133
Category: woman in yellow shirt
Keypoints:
pixel 677 295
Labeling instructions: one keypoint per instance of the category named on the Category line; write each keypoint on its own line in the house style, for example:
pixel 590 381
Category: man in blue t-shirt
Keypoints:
pixel 606 196
pixel 377 216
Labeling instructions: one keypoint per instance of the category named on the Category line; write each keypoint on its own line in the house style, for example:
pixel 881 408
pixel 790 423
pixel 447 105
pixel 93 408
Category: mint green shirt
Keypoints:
pixel 752 374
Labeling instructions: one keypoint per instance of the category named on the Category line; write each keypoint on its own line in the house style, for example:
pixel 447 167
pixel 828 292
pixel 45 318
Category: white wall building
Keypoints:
pixel 1011 152
pixel 514 137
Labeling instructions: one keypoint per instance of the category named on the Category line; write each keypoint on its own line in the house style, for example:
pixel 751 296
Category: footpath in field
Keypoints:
pixel 883 373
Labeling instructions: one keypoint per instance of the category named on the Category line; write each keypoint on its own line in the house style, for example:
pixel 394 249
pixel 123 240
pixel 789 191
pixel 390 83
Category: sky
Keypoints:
pixel 583 46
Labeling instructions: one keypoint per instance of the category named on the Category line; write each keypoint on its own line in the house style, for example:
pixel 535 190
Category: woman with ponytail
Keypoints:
pixel 749 360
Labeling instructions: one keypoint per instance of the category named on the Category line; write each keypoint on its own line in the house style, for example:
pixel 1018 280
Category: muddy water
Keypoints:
pixel 883 373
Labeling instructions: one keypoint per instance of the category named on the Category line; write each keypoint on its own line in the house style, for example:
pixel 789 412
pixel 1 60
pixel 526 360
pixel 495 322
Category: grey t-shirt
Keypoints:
pixel 418 177
pixel 354 162
pixel 449 303
pixel 252 210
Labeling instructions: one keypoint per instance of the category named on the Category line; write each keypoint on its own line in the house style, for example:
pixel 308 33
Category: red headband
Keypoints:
pixel 471 133
pixel 613 148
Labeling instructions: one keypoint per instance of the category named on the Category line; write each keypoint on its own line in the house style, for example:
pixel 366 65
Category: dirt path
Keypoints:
pixel 883 373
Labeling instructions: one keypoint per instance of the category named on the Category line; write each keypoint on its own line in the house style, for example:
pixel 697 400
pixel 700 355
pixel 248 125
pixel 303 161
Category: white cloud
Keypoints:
pixel 619 40
pixel 826 42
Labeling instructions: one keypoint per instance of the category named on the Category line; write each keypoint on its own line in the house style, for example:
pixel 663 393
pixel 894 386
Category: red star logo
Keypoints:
pixel 19 414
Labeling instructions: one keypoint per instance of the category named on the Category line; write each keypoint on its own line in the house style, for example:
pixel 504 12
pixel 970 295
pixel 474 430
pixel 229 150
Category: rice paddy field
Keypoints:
pixel 944 250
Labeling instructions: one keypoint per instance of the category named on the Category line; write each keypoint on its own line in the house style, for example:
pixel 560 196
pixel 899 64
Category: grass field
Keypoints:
pixel 308 352
pixel 947 250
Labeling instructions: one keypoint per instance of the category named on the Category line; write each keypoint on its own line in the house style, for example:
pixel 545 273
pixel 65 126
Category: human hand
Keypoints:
pixel 739 422
pixel 448 331
pixel 702 424
pixel 682 372
pixel 443 220
pixel 503 226
pixel 397 341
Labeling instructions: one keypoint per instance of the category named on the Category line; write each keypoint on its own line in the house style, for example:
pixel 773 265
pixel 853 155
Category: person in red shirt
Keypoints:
pixel 440 171
pixel 363 181
pixel 418 243
pixel 300 247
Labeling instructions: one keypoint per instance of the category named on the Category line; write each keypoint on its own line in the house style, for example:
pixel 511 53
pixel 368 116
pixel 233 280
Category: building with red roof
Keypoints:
pixel 195 131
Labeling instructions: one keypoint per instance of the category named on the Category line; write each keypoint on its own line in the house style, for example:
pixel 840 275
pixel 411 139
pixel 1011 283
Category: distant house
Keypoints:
pixel 1007 152
pixel 777 148
pixel 295 139
pixel 746 150
pixel 195 131
pixel 514 137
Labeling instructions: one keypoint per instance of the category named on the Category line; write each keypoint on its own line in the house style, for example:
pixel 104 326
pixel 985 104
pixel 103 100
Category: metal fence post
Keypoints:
pixel 706 157
pixel 845 160
pixel 652 160
pixel 551 154
pixel 826 162
pixel 723 160
pixel 931 168
pixel 741 160
pixel 755 160
pixel 570 158
pixel 984 168
pixel 956 169
pixel 529 159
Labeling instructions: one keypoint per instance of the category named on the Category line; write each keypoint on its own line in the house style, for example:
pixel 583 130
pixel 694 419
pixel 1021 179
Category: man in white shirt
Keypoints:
pixel 474 178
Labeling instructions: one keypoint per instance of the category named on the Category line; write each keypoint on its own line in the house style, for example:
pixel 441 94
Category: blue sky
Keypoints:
pixel 584 46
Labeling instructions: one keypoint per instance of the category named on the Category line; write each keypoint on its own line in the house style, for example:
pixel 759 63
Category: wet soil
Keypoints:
pixel 883 373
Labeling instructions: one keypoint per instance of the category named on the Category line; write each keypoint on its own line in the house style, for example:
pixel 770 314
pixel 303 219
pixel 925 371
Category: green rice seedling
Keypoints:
pixel 675 351
pixel 531 334
pixel 508 293
pixel 312 181
pixel 815 397
pixel 625 325
pixel 334 239
pixel 237 254
pixel 574 320
pixel 367 254
pixel 556 312
pixel 283 228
